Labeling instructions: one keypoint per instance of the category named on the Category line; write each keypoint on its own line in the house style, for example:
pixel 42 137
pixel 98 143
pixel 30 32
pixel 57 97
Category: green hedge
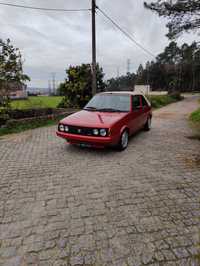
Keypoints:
pixel 158 101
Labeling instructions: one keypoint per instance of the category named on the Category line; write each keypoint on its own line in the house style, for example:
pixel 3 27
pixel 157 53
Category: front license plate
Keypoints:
pixel 85 145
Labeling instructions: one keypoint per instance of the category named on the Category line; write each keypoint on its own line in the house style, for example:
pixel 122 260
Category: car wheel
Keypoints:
pixel 147 125
pixel 123 142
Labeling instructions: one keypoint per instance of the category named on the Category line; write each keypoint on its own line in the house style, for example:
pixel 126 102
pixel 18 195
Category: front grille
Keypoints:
pixel 84 131
pixel 80 131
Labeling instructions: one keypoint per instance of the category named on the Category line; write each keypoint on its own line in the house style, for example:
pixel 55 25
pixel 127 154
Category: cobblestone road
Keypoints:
pixel 61 205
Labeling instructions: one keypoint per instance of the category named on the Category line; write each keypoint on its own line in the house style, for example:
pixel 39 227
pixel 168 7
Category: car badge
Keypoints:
pixel 79 130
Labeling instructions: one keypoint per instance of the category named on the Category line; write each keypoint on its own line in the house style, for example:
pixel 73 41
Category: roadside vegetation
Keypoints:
pixel 37 102
pixel 20 127
pixel 195 123
pixel 195 116
pixel 158 101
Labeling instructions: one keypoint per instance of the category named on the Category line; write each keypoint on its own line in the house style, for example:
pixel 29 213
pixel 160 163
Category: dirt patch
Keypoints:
pixel 193 161
pixel 165 115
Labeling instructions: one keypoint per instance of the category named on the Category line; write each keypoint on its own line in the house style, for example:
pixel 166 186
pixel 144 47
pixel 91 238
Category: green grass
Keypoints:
pixel 195 123
pixel 37 102
pixel 195 116
pixel 158 101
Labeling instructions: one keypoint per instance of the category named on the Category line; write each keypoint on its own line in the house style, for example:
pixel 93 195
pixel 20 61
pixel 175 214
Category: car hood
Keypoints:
pixel 93 119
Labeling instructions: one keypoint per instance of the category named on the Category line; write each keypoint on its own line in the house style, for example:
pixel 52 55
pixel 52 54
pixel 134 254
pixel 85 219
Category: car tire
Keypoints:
pixel 124 139
pixel 147 125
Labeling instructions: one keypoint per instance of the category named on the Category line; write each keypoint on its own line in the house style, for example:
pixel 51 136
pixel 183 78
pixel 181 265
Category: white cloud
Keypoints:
pixel 50 42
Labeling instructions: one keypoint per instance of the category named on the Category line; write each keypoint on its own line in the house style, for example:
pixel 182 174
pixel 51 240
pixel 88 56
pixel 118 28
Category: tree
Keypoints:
pixel 177 68
pixel 77 87
pixel 121 83
pixel 183 15
pixel 11 71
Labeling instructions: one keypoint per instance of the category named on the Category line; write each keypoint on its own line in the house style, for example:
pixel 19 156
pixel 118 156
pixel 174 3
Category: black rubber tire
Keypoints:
pixel 147 125
pixel 121 146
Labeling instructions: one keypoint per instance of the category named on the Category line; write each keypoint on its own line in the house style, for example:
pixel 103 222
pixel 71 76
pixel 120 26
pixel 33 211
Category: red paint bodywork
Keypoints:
pixel 115 122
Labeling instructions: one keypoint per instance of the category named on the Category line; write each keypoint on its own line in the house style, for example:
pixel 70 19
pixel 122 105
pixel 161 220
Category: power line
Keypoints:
pixel 45 9
pixel 125 33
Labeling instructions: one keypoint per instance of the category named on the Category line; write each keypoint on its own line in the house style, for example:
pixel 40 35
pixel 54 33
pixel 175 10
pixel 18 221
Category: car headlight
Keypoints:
pixel 66 129
pixel 61 128
pixel 95 132
pixel 103 132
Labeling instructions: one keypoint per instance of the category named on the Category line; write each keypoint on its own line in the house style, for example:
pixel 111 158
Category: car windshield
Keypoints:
pixel 109 103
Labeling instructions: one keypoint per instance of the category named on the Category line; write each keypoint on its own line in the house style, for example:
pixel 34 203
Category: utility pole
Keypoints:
pixel 128 65
pixel 94 74
pixel 49 87
pixel 54 83
pixel 117 72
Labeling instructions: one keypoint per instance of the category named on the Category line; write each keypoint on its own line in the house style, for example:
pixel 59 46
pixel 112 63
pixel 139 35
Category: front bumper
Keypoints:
pixel 93 141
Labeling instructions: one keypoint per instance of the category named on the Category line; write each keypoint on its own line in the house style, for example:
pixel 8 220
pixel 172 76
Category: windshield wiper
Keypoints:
pixel 91 108
pixel 109 110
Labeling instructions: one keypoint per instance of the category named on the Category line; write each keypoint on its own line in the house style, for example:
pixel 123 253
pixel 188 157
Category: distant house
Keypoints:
pixel 145 89
pixel 18 91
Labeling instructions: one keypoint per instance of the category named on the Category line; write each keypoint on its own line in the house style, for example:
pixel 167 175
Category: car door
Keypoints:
pixel 136 114
pixel 146 109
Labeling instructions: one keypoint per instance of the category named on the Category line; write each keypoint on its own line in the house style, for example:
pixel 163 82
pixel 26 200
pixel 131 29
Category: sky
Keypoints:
pixel 52 41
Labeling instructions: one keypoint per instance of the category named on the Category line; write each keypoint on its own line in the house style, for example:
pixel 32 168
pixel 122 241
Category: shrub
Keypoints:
pixel 176 95
pixel 158 101
pixel 64 103
pixel 3 119
pixel 195 116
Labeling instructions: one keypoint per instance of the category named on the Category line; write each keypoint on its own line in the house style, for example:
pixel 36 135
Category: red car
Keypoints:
pixel 107 120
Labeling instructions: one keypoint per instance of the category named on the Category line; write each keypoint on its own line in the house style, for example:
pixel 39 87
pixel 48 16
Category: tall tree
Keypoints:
pixel 121 83
pixel 11 70
pixel 183 15
pixel 177 68
pixel 77 87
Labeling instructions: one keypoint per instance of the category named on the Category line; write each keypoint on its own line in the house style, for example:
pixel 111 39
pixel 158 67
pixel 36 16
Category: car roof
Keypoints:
pixel 122 92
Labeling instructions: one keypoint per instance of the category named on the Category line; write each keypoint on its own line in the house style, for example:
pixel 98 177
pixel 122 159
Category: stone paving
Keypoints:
pixel 62 205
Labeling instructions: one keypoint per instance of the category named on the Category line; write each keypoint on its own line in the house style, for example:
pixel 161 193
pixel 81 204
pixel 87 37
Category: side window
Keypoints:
pixel 136 101
pixel 144 102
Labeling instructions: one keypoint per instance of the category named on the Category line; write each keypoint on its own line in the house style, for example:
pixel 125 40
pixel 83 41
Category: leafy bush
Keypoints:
pixel 64 103
pixel 195 116
pixel 195 123
pixel 77 87
pixel 3 119
pixel 157 101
